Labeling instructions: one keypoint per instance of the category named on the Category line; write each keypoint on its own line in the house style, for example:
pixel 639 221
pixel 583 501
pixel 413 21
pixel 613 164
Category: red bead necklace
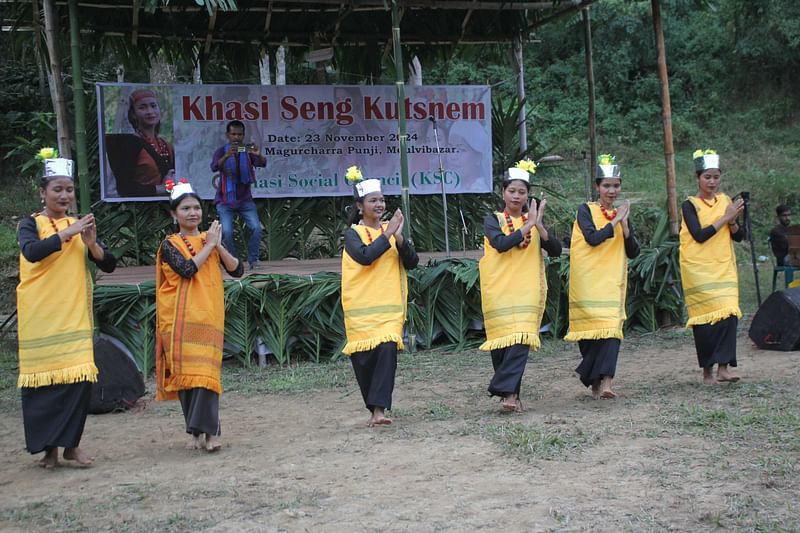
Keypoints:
pixel 55 228
pixel 608 214
pixel 510 224
pixel 189 245
pixel 158 144
pixel 369 235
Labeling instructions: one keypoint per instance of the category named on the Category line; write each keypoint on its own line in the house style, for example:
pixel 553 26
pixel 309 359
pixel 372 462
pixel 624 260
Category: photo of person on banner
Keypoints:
pixel 140 161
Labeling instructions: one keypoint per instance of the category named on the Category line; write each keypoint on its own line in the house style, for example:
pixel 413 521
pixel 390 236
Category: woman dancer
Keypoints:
pixel 54 302
pixel 602 242
pixel 190 311
pixel 374 293
pixel 708 269
pixel 514 283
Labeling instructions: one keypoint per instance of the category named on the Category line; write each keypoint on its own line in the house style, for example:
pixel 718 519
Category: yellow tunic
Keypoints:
pixel 54 305
pixel 513 291
pixel 598 283
pixel 708 269
pixel 373 297
pixel 190 319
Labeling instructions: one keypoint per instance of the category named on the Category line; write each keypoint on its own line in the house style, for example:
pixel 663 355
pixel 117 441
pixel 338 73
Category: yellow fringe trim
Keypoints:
pixel 531 339
pixel 714 316
pixel 594 334
pixel 179 383
pixel 369 344
pixel 73 374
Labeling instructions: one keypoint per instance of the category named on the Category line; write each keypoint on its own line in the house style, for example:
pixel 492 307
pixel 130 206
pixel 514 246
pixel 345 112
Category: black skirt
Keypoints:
pixel 375 370
pixel 201 411
pixel 599 359
pixel 509 365
pixel 716 343
pixel 54 416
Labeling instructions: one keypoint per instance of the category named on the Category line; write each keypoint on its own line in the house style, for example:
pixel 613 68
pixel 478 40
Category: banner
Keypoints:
pixel 309 134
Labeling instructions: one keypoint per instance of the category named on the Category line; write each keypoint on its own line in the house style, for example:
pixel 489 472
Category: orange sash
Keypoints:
pixel 190 322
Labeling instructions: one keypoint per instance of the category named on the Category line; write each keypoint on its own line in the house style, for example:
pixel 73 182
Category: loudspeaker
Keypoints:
pixel 776 325
pixel 119 382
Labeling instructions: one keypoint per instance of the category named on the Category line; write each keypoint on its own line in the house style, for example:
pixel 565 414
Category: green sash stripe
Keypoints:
pixel 594 304
pixel 516 309
pixel 716 285
pixel 60 338
pixel 378 309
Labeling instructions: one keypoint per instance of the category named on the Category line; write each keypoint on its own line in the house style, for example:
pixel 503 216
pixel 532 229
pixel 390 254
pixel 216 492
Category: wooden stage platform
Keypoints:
pixel 295 267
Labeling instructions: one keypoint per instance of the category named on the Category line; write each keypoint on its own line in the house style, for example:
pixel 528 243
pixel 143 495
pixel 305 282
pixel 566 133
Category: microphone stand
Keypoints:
pixel 444 193
pixel 748 234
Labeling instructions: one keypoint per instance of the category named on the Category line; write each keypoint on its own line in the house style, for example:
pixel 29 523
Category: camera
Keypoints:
pixel 241 149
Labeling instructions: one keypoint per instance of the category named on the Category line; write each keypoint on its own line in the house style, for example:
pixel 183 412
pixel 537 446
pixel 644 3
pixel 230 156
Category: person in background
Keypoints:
pixel 777 236
pixel 190 317
pixel 236 162
pixel 708 269
pixel 514 282
pixel 374 293
pixel 54 305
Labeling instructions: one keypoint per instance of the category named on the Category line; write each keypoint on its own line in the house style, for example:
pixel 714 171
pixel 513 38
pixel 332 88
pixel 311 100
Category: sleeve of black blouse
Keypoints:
pixel 699 234
pixel 408 255
pixel 631 244
pixel 185 268
pixel 32 247
pixel 552 245
pixel 500 241
pixel 364 254
pixel 591 234
pixel 237 272
pixel 108 262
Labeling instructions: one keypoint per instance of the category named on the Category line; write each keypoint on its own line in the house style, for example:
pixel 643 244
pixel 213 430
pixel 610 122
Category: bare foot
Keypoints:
pixel 213 444
pixel 511 403
pixel 196 443
pixel 605 389
pixel 50 459
pixel 724 375
pixel 708 377
pixel 77 455
pixel 596 390
pixel 379 418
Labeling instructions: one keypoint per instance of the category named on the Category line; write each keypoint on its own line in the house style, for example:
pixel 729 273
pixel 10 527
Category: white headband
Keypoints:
pixel 365 187
pixel 54 168
pixel 179 189
pixel 518 174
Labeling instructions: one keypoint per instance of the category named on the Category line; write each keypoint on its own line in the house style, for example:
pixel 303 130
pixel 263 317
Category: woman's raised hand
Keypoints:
pixel 623 211
pixel 89 229
pixel 540 212
pixel 734 209
pixel 395 222
pixel 214 234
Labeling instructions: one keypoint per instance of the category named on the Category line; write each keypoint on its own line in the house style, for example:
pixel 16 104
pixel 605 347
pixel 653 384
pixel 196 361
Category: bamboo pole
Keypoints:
pixel 79 103
pixel 520 68
pixel 401 119
pixel 57 92
pixel 587 44
pixel 666 119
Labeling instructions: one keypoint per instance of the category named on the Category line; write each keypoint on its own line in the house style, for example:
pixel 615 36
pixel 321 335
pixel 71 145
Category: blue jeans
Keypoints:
pixel 250 216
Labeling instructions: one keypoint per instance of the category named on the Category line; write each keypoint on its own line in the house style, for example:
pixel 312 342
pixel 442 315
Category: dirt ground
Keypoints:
pixel 669 455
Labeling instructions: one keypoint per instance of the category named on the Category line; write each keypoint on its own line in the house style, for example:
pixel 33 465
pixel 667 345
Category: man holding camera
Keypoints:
pixel 236 162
